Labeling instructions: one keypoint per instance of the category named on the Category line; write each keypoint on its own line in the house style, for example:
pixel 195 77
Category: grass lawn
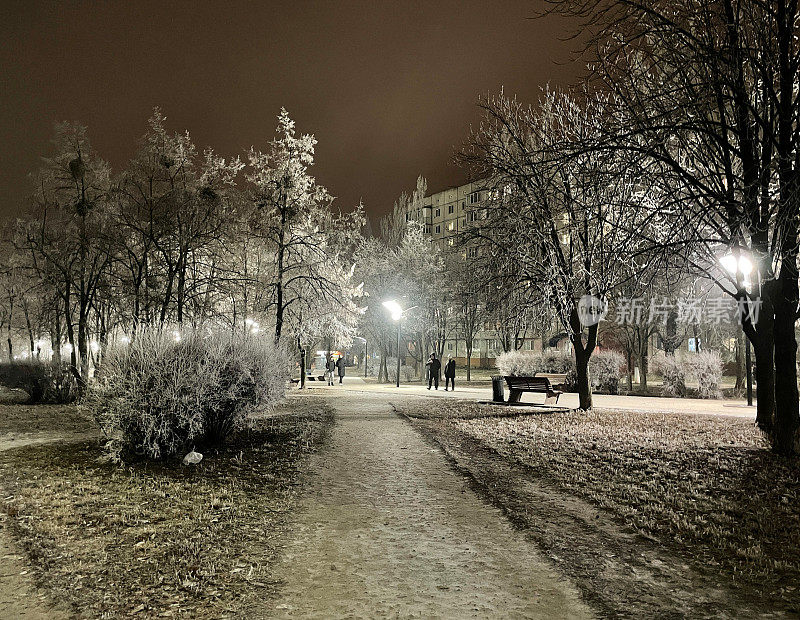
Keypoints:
pixel 155 538
pixel 704 490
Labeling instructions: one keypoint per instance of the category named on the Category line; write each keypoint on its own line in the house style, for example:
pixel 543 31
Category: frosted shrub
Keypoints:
pixel 673 374
pixel 160 398
pixel 526 364
pixel 43 382
pixel 604 370
pixel 519 363
pixel 407 373
pixel 706 368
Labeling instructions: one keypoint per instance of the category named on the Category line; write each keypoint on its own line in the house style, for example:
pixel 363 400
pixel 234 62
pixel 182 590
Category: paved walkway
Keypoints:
pixel 649 404
pixel 387 529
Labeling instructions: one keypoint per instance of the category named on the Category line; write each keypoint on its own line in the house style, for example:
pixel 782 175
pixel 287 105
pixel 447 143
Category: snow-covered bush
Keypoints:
pixel 706 369
pixel 407 373
pixel 159 397
pixel 526 364
pixel 673 374
pixel 604 367
pixel 43 382
pixel 604 371
pixel 519 363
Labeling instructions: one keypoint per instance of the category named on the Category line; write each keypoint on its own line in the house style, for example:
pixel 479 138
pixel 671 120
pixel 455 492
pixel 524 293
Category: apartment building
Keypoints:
pixel 444 215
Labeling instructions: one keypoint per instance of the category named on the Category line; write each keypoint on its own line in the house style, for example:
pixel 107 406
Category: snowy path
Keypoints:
pixel 386 528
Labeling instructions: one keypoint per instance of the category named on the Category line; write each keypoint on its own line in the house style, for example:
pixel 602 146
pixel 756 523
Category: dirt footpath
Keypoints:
pixel 386 528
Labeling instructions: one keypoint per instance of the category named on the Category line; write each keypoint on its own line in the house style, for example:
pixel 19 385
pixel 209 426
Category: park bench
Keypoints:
pixel 541 383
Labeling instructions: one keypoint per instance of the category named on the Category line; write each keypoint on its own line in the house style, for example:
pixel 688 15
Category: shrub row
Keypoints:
pixel 42 382
pixel 704 367
pixel 604 367
pixel 407 373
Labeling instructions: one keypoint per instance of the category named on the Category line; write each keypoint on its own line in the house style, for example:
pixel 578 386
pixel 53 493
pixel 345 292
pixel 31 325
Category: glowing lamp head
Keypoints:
pixel 394 309
pixel 733 265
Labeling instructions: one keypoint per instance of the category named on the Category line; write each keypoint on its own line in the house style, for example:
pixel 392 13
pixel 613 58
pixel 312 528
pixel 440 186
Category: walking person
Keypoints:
pixel 450 374
pixel 340 366
pixel 434 366
pixel 330 368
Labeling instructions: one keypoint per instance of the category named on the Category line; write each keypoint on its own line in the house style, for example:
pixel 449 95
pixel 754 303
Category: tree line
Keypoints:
pixel 680 148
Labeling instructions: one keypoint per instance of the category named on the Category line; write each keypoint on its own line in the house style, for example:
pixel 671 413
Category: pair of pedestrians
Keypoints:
pixel 434 366
pixel 334 367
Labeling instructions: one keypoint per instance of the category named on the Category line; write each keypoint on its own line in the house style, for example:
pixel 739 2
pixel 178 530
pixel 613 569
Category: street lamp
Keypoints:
pixel 396 313
pixel 736 265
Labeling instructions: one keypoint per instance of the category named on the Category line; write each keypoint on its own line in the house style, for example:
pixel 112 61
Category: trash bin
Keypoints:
pixel 498 393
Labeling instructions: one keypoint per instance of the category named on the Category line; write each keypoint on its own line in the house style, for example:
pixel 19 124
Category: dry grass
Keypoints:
pixel 706 486
pixel 156 539
pixel 44 420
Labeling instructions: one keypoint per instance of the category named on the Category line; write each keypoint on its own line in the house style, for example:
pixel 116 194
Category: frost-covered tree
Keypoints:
pixel 710 92
pixel 559 222
pixel 67 235
pixel 173 209
pixel 310 287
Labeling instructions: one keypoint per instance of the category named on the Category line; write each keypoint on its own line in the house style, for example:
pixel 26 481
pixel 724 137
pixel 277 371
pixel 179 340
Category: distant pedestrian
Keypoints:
pixel 340 366
pixel 330 368
pixel 450 374
pixel 434 366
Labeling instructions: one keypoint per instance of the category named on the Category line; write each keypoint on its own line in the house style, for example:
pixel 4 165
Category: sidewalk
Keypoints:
pixel 649 404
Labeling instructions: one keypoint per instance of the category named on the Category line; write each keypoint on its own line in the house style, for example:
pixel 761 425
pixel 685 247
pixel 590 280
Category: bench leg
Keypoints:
pixel 514 396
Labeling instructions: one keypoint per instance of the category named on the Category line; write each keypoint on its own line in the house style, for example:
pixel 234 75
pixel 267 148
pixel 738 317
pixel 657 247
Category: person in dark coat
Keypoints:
pixel 434 366
pixel 450 374
pixel 340 366
pixel 330 369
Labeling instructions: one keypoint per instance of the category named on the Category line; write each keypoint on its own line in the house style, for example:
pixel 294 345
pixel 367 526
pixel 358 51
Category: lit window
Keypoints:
pixel 451 226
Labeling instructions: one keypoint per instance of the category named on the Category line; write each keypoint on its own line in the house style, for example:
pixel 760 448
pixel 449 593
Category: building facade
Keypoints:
pixel 444 215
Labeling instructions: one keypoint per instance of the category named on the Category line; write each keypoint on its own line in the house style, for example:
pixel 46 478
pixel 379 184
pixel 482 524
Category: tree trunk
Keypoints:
pixel 582 355
pixel 787 418
pixel 643 354
pixel 55 340
pixel 383 374
pixel 302 363
pixel 83 349
pixel 469 363
pixel 739 361
pixel 582 371
pixel 629 362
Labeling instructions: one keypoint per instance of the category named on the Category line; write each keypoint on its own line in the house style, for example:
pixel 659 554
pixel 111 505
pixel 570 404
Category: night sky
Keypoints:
pixel 388 88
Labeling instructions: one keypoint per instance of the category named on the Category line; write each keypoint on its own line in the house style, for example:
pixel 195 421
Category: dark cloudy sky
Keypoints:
pixel 388 87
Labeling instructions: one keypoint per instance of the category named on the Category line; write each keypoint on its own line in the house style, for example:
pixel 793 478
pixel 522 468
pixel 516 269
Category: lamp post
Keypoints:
pixel 365 354
pixel 396 313
pixel 741 267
